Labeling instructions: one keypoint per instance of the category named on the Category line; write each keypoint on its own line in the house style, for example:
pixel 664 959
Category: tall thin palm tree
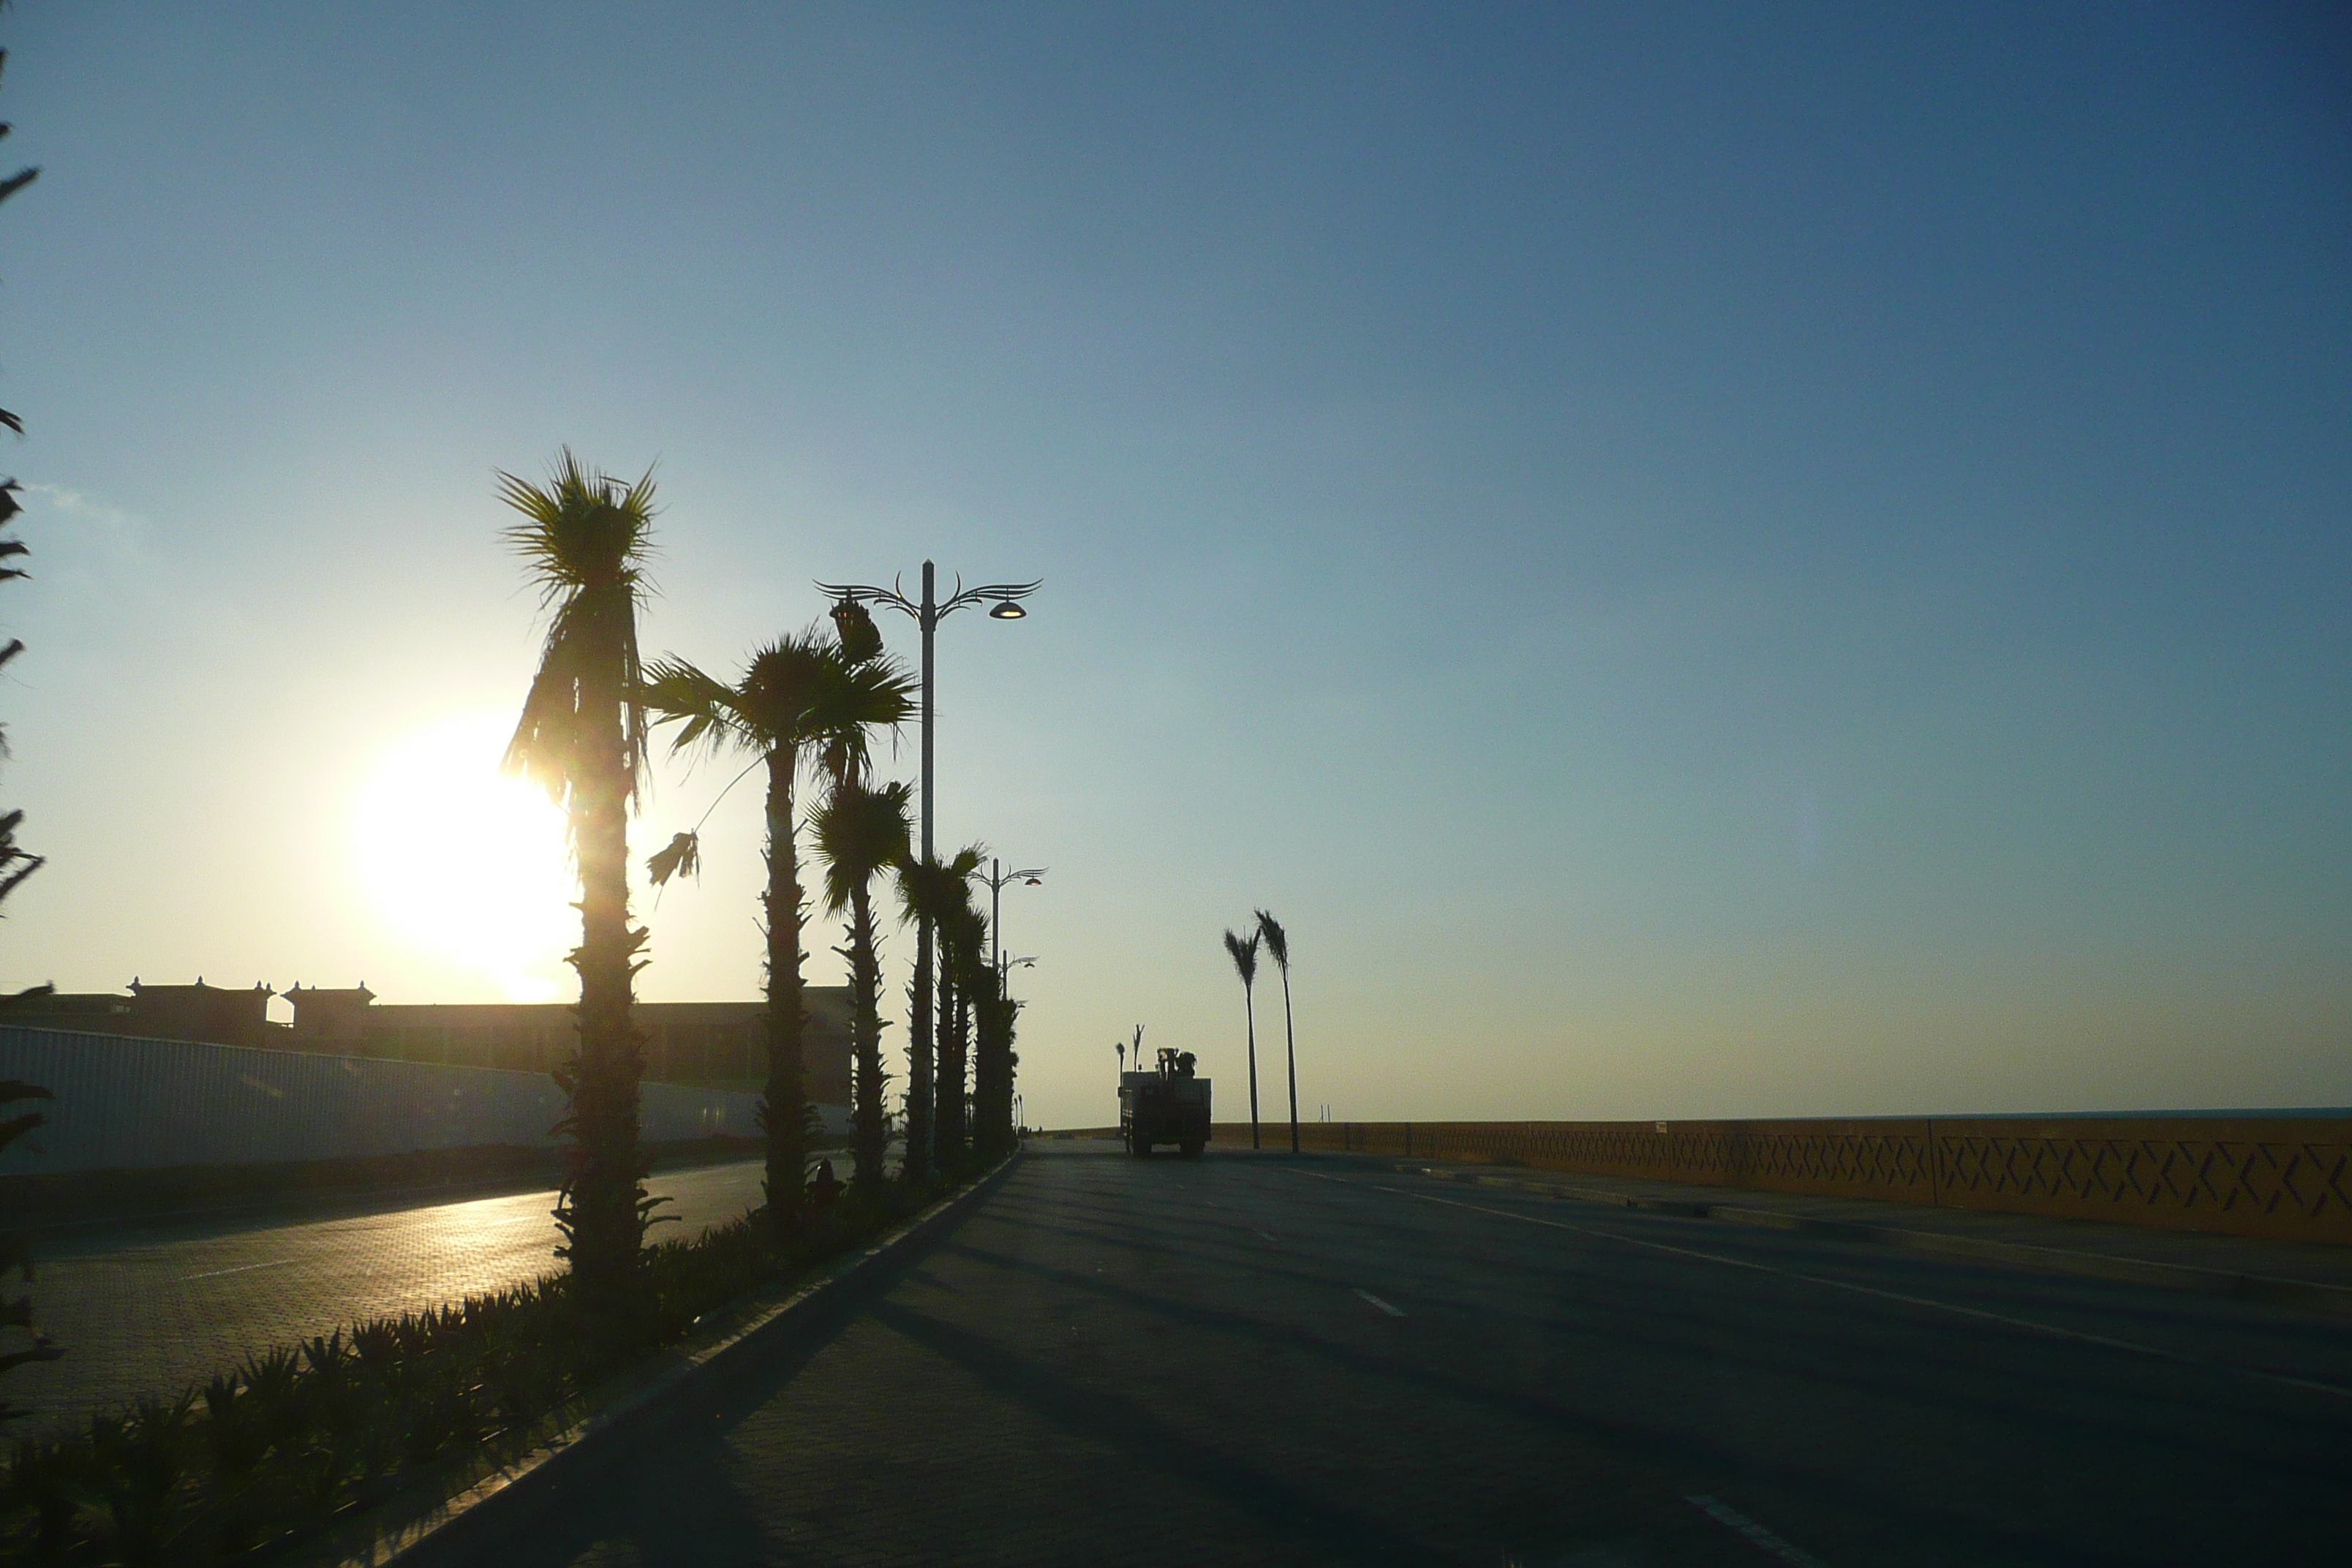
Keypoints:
pixel 584 540
pixel 1277 942
pixel 800 704
pixel 860 833
pixel 1245 955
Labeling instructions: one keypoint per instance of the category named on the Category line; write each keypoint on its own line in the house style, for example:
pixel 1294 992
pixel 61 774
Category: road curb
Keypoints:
pixel 2269 1289
pixel 469 1527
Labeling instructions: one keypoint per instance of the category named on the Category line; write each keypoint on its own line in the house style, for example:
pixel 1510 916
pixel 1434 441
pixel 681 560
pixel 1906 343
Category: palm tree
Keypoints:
pixel 929 891
pixel 1245 955
pixel 992 1062
pixel 964 947
pixel 584 539
pixel 860 832
pixel 800 704
pixel 1277 942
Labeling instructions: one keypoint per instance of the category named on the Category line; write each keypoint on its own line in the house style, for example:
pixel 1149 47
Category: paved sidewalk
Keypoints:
pixel 2286 1273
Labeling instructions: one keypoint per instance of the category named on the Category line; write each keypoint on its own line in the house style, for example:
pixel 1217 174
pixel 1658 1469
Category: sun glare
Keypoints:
pixel 467 864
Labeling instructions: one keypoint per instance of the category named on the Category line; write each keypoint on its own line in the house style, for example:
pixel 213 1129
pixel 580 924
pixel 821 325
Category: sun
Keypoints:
pixel 466 863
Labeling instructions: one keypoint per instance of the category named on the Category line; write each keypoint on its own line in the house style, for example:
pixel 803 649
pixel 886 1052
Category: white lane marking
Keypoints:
pixel 1383 1306
pixel 1723 1513
pixel 240 1269
pixel 2176 1357
pixel 1268 1235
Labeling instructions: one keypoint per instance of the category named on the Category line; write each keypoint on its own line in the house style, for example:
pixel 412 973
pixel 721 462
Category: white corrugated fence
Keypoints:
pixel 128 1103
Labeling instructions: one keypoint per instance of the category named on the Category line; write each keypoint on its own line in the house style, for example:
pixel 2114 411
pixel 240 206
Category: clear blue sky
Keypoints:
pixel 1707 560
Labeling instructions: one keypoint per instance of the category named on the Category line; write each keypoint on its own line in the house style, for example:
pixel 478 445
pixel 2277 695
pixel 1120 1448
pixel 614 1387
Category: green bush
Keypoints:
pixel 298 1437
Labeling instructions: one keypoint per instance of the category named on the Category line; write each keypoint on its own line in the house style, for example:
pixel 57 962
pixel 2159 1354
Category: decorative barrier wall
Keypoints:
pixel 125 1103
pixel 2283 1176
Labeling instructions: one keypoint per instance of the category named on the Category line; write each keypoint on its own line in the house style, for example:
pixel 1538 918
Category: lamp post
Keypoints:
pixel 927 614
pixel 998 876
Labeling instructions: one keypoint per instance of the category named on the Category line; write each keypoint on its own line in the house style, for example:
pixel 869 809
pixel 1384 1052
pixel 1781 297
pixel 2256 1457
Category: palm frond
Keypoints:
pixel 1245 955
pixel 704 709
pixel 1278 940
pixel 778 695
pixel 682 856
pixel 935 889
pixel 860 832
pixel 582 529
pixel 850 701
pixel 584 539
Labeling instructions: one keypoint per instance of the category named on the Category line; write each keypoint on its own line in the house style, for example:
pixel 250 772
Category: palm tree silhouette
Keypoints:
pixel 993 1064
pixel 584 539
pixel 1246 962
pixel 860 833
pixel 963 952
pixel 929 891
pixel 1277 942
pixel 801 702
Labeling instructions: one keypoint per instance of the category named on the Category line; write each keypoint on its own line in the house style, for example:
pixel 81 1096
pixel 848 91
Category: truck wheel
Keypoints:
pixel 1191 1151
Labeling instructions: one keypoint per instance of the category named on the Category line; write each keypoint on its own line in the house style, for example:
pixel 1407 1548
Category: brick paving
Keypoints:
pixel 1239 1361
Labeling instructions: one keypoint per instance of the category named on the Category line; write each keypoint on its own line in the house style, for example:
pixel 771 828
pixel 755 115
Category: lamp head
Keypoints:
pixel 1006 610
pixel 861 640
pixel 1036 882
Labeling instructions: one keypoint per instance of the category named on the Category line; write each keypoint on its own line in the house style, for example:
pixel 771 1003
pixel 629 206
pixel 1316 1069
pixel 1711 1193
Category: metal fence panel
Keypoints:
pixel 2287 1175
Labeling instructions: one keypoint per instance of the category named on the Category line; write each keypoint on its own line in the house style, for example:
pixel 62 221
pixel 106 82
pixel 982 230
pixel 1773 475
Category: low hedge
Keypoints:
pixel 297 1438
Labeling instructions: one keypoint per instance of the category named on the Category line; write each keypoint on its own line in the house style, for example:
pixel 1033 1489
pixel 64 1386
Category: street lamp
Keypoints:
pixel 1030 876
pixel 849 614
pixel 928 614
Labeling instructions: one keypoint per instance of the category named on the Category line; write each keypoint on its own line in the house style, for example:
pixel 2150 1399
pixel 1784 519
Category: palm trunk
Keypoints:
pixel 602 1208
pixel 872 1128
pixel 951 1125
pixel 992 1080
pixel 919 1129
pixel 1290 1054
pixel 1249 1009
pixel 786 1112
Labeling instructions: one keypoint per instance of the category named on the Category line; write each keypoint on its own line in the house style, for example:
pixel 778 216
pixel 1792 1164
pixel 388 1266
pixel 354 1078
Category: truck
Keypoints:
pixel 1169 1104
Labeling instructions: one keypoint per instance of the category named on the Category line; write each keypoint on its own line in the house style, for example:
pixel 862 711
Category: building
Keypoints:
pixel 717 1044
pixel 198 1012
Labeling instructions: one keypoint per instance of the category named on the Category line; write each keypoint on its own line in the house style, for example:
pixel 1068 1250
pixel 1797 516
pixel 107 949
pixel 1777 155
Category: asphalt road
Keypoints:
pixel 1251 1361
pixel 149 1309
